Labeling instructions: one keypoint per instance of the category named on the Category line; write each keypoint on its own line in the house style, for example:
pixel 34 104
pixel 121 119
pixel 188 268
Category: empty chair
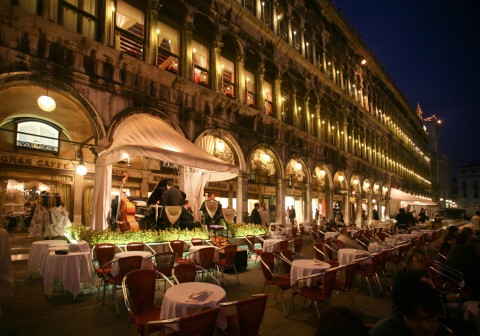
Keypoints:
pixel 230 252
pixel 164 262
pixel 280 281
pixel 370 270
pixel 251 246
pixel 139 295
pixel 102 254
pixel 196 241
pixel 177 247
pixel 199 324
pixel 288 256
pixel 345 285
pixel 135 246
pixel 125 265
pixel 297 245
pixel 316 293
pixel 187 272
pixel 247 319
pixel 320 254
pixel 206 258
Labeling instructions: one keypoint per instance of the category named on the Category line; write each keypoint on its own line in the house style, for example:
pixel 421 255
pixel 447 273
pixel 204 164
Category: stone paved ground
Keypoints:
pixel 32 314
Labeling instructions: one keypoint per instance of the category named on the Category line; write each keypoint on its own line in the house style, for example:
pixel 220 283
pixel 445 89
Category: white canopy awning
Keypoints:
pixel 399 195
pixel 149 136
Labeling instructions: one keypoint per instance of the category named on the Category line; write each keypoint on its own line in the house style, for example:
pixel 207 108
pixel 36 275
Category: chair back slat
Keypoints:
pixel 185 272
pixel 164 262
pixel 135 246
pixel 199 324
pixel 250 314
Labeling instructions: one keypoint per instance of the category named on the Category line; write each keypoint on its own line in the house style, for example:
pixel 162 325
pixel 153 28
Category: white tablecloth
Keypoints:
pixel 347 255
pixel 272 245
pixel 195 255
pixel 177 301
pixel 304 267
pixel 39 251
pixel 146 262
pixel 331 235
pixel 378 247
pixel 72 269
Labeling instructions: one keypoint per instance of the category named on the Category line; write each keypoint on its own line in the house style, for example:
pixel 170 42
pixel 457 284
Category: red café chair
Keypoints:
pixel 344 285
pixel 297 245
pixel 247 319
pixel 102 254
pixel 370 270
pixel 316 293
pixel 199 324
pixel 135 246
pixel 164 262
pixel 250 240
pixel 138 288
pixel 177 247
pixel 288 256
pixel 319 249
pixel 280 281
pixel 230 253
pixel 126 265
pixel 187 272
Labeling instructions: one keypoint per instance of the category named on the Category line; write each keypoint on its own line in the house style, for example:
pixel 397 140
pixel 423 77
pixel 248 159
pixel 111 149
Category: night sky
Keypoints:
pixel 431 50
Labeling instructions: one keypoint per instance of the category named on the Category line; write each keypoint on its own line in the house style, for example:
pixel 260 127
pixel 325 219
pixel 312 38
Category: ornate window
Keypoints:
pixel 80 17
pixel 227 79
pixel 37 135
pixel 267 13
pixel 168 48
pixel 268 97
pixel 129 29
pixel 201 63
pixel 250 88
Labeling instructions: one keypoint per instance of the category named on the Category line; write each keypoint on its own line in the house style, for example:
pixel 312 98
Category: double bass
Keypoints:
pixel 126 220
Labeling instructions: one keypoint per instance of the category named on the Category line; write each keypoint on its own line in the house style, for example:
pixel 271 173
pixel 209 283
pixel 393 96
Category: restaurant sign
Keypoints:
pixel 35 161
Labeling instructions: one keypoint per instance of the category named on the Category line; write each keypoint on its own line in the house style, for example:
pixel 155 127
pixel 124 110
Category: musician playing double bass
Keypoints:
pixel 114 209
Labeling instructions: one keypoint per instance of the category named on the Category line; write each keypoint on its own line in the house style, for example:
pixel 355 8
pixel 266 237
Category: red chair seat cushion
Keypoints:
pixel 141 318
pixel 314 292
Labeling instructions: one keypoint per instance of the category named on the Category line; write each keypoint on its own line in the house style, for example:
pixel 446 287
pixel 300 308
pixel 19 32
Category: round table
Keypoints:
pixel 305 267
pixel 147 263
pixel 347 255
pixel 272 245
pixel 39 251
pixel 72 269
pixel 180 300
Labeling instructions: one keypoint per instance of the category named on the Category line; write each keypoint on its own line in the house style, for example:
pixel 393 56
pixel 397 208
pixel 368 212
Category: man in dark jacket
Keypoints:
pixel 172 196
pixel 255 215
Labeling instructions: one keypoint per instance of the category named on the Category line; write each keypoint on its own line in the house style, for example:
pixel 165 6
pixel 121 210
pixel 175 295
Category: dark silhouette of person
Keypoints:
pixel 292 215
pixel 186 220
pixel 172 196
pixel 255 214
pixel 216 217
pixel 402 219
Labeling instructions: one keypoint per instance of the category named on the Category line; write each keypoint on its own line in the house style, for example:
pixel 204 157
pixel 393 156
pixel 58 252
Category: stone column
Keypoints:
pixel 358 212
pixel 370 206
pixel 346 209
pixel 242 197
pixel 328 203
pixel 308 203
pixel 151 36
pixel 77 199
pixel 186 62
pixel 387 207
pixel 280 209
pixel 216 67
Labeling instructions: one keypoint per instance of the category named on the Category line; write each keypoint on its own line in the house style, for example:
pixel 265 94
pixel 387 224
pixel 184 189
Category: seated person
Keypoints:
pixel 186 220
pixel 449 240
pixel 417 308
pixel 339 320
pixel 344 237
pixel 331 226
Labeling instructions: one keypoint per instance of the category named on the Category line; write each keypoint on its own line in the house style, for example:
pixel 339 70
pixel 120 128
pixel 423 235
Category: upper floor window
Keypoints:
pixel 129 29
pixel 201 63
pixel 250 5
pixel 268 97
pixel 267 13
pixel 29 6
pixel 250 88
pixel 37 135
pixel 168 48
pixel 227 79
pixel 80 16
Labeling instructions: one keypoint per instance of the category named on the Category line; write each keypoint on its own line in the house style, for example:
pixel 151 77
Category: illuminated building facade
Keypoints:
pixel 283 89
